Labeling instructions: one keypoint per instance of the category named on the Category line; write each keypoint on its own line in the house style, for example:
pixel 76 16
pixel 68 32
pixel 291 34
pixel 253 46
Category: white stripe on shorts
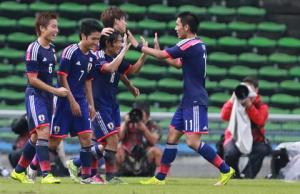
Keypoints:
pixel 32 109
pixel 101 123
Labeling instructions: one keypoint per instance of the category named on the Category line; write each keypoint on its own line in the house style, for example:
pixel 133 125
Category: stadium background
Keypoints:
pixel 243 37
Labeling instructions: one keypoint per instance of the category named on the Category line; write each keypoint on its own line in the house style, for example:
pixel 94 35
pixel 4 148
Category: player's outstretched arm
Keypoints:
pixel 136 67
pixel 36 82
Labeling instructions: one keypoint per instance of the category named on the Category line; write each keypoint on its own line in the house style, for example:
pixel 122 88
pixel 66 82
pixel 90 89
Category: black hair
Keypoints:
pixel 144 106
pixel 109 39
pixel 189 19
pixel 252 80
pixel 88 26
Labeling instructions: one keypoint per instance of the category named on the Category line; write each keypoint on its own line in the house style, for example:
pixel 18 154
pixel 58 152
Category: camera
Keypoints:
pixel 244 91
pixel 241 92
pixel 135 115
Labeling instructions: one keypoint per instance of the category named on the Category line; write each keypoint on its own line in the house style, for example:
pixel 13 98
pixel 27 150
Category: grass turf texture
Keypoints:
pixel 174 186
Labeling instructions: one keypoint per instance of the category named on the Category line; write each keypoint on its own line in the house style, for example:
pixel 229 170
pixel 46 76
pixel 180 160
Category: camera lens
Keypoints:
pixel 241 92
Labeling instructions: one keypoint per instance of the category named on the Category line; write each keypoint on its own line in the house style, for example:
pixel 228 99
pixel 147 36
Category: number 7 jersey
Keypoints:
pixel 77 66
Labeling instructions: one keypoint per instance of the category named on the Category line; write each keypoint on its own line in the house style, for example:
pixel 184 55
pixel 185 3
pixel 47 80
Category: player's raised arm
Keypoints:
pixel 113 66
pixel 135 68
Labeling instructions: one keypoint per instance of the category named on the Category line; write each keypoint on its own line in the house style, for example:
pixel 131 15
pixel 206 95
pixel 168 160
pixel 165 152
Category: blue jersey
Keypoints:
pixel 192 53
pixel 77 67
pixel 41 61
pixel 105 84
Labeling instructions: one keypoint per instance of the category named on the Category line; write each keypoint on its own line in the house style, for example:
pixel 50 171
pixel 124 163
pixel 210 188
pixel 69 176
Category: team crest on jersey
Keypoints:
pixel 78 63
pixel 89 67
pixel 44 59
pixel 41 118
pixel 91 59
pixel 56 129
pixel 110 126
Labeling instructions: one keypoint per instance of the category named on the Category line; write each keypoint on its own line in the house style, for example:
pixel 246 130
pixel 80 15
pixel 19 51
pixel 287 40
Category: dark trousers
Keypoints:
pixel 256 157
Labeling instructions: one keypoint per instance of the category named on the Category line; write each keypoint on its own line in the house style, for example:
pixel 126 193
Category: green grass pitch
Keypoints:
pixel 174 186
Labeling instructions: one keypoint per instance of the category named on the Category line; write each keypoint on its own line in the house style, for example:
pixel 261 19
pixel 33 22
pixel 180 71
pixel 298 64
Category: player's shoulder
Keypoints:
pixel 32 51
pixel 189 42
pixel 69 51
pixel 99 54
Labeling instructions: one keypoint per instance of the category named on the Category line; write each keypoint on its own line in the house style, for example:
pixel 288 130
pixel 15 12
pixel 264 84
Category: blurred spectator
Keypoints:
pixel 137 154
pixel 285 161
pixel 20 127
pixel 57 158
pixel 245 135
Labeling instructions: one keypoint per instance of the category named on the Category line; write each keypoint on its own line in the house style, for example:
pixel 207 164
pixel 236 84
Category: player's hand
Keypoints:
pixel 61 92
pixel 155 41
pixel 134 91
pixel 107 31
pixel 132 40
pixel 92 112
pixel 75 108
pixel 145 43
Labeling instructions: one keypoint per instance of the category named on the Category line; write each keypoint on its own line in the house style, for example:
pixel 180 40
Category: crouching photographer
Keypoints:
pixel 245 134
pixel 137 154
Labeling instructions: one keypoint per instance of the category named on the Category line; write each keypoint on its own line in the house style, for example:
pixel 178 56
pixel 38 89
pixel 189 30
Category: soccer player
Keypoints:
pixel 113 19
pixel 40 65
pixel 73 113
pixel 190 117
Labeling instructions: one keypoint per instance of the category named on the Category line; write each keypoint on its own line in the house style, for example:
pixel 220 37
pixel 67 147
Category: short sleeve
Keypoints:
pixel 175 52
pixel 32 58
pixel 124 67
pixel 66 61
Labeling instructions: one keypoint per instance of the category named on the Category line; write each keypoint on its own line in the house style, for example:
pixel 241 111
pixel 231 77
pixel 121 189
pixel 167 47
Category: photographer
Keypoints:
pixel 137 154
pixel 245 135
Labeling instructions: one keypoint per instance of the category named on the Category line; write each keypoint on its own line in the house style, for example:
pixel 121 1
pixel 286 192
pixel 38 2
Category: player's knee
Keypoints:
pixel 85 139
pixel 192 143
pixel 112 141
pixel 53 143
pixel 33 138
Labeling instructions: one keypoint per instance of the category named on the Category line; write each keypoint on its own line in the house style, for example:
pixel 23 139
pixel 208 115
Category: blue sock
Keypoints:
pixel 77 162
pixel 168 157
pixel 27 156
pixel 86 161
pixel 42 153
pixel 97 153
pixel 211 156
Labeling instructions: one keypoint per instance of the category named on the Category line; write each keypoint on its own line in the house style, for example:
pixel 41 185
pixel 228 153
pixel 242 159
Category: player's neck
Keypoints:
pixel 83 48
pixel 191 35
pixel 43 42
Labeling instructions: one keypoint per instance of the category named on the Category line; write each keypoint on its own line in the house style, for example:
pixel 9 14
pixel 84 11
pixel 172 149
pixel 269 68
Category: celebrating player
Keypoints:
pixel 190 117
pixel 40 65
